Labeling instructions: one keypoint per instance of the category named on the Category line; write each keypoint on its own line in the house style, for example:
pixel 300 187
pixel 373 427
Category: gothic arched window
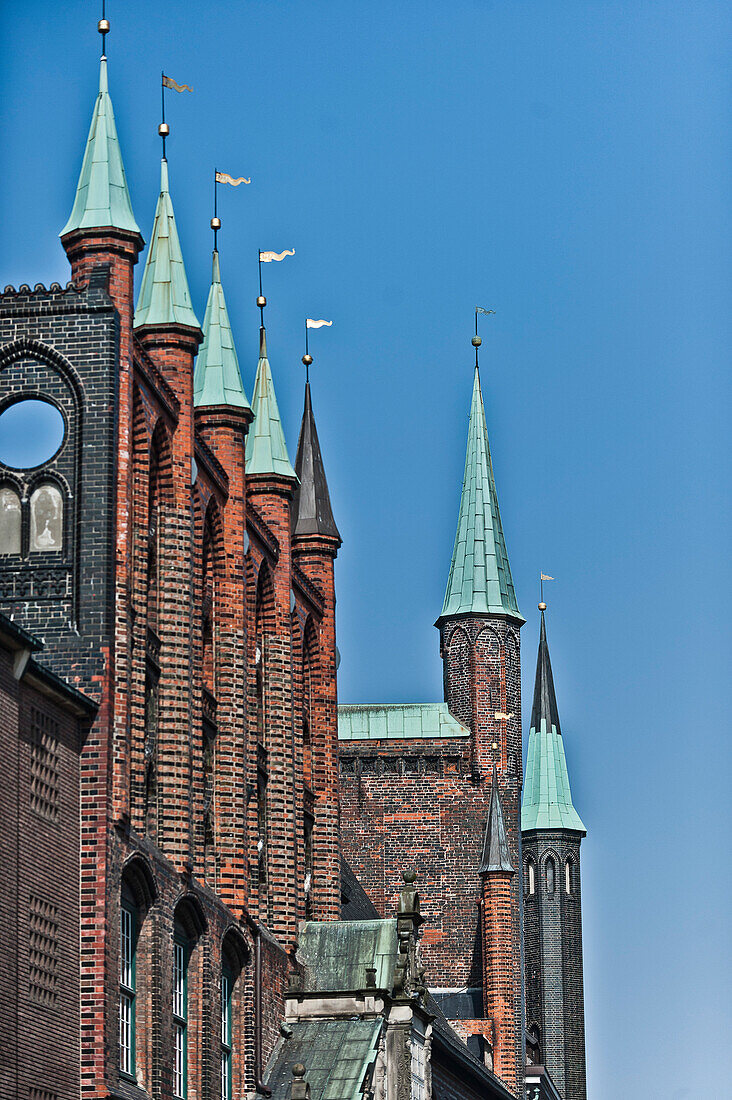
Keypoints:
pixel 568 876
pixel 10 518
pixel 46 519
pixel 550 875
pixel 530 877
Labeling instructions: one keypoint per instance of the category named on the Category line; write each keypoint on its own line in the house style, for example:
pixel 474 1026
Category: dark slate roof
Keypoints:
pixel 465 1004
pixel 545 700
pixel 496 856
pixel 337 1055
pixel 449 1050
pixel 337 953
pixel 355 902
pixel 311 510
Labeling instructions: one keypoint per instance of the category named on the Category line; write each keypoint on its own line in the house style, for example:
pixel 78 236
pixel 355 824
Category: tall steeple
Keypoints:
pixel 266 448
pixel 102 197
pixel 480 577
pixel 164 297
pixel 547 799
pixel 217 378
pixel 311 510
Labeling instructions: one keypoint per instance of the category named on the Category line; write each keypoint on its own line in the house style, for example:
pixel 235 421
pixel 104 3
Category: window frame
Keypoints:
pixel 128 989
pixel 227 1045
pixel 182 951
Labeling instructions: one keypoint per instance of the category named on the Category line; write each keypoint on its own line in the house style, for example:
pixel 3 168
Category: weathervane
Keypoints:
pixel 307 357
pixel 222 177
pixel 476 341
pixel 543 577
pixel 168 82
pixel 267 258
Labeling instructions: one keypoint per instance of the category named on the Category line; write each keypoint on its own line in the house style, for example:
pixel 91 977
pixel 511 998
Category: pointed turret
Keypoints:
pixel 164 295
pixel 480 577
pixel 266 448
pixel 102 198
pixel 311 510
pixel 496 855
pixel 547 800
pixel 217 378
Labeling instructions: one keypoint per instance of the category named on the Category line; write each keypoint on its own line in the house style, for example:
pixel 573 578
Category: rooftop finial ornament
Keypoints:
pixel 476 341
pixel 103 28
pixel 222 177
pixel 267 258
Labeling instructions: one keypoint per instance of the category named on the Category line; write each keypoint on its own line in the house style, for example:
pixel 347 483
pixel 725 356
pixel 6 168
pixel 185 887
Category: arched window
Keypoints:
pixel 128 931
pixel 209 705
pixel 568 876
pixel 530 877
pixel 10 517
pixel 550 875
pixel 181 958
pixel 46 519
pixel 235 955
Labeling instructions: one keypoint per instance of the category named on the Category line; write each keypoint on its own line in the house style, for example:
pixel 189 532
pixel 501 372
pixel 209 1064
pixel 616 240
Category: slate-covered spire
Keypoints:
pixel 495 855
pixel 217 378
pixel 311 510
pixel 480 576
pixel 102 198
pixel 266 451
pixel 547 799
pixel 164 295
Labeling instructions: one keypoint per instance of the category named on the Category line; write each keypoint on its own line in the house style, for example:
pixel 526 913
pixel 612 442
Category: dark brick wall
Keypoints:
pixel 39 898
pixel 425 803
pixel 553 958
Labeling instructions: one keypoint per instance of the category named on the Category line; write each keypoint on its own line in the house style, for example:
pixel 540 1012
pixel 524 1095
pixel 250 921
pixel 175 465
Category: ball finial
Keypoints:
pixel 216 223
pixel 298 1070
pixel 163 129
pixel 409 877
pixel 103 26
pixel 307 360
pixel 476 341
pixel 261 301
pixel 542 606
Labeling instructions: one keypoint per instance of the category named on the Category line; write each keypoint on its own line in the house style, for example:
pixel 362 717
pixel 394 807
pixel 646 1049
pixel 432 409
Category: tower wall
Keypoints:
pixel 553 957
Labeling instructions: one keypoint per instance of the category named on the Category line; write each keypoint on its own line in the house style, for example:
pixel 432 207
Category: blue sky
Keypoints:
pixel 568 166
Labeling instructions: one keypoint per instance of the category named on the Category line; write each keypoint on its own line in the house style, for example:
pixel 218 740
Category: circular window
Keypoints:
pixel 31 433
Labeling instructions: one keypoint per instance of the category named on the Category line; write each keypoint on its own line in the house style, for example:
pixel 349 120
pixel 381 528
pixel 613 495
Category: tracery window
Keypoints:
pixel 46 519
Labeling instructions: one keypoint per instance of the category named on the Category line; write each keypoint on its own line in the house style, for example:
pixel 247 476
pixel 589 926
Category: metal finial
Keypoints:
pixel 103 28
pixel 542 606
pixel 476 341
pixel 543 577
pixel 163 128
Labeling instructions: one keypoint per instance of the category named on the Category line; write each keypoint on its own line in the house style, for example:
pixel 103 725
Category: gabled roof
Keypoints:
pixel 164 297
pixel 266 451
pixel 217 378
pixel 547 798
pixel 480 576
pixel 102 198
pixel 495 855
pixel 311 510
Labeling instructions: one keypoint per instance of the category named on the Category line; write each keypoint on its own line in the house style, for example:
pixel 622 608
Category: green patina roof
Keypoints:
pixel 378 722
pixel 336 954
pixel 336 1055
pixel 217 379
pixel 547 798
pixel 480 576
pixel 164 295
pixel 102 198
pixel 266 448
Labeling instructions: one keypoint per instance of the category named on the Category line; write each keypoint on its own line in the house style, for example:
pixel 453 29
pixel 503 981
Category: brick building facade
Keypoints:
pixel 180 570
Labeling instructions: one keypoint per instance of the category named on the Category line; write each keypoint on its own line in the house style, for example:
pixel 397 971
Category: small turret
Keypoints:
pixel 266 448
pixel 217 378
pixel 311 509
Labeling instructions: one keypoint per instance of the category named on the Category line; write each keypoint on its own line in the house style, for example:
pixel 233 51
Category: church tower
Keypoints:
pixel 479 642
pixel 552 832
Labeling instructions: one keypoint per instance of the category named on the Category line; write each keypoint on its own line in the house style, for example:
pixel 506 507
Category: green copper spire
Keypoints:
pixel 217 378
pixel 102 199
pixel 164 295
pixel 480 576
pixel 547 801
pixel 266 448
